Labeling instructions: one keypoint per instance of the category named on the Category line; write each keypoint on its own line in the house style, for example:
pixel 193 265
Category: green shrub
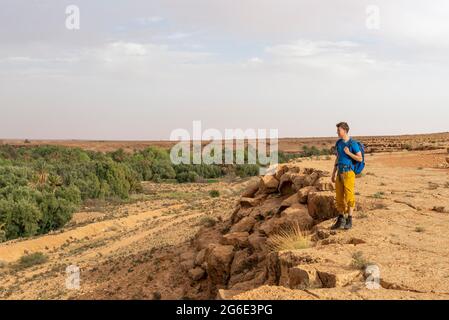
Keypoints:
pixel 247 170
pixel 208 221
pixel 20 218
pixel 214 193
pixel 187 177
pixel 30 260
pixel 57 208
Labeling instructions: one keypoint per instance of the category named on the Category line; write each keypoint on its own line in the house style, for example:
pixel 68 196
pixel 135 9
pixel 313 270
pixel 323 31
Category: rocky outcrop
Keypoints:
pixel 234 254
pixel 219 259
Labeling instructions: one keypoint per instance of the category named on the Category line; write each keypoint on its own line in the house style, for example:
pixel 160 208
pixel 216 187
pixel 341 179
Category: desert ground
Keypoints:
pixel 149 247
pixel 289 145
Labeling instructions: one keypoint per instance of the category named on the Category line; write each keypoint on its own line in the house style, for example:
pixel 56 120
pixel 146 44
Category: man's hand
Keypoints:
pixel 334 177
pixel 346 150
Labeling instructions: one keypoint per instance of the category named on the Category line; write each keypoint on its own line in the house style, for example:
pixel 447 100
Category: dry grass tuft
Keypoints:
pixel 30 260
pixel 289 238
pixel 359 261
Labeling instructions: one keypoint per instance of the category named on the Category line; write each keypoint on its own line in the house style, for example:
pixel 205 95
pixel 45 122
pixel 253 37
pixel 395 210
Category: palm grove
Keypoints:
pixel 41 187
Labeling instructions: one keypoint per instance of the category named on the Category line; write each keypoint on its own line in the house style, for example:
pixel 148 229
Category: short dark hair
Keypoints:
pixel 343 125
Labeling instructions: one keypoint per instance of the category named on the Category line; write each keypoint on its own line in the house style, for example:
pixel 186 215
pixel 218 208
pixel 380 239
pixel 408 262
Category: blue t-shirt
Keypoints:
pixel 345 162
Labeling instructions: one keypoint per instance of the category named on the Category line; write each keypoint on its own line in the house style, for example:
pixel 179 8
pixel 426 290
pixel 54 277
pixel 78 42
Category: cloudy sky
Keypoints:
pixel 138 69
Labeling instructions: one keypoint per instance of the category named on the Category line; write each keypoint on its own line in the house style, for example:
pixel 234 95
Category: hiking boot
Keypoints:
pixel 340 223
pixel 348 224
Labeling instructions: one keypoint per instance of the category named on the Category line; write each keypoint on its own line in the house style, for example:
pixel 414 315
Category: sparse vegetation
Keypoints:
pixel 439 209
pixel 359 261
pixel 306 152
pixel 407 147
pixel 30 260
pixel 208 221
pixel 419 229
pixel 378 195
pixel 214 193
pixel 290 238
pixel 362 215
pixel 433 186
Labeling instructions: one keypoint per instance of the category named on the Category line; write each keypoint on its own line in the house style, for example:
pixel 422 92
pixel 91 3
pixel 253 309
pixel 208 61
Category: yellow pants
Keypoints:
pixel 344 187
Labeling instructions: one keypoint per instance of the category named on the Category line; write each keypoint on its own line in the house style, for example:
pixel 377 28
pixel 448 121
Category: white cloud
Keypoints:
pixel 150 20
pixel 128 49
pixel 255 60
pixel 343 58
pixel 307 48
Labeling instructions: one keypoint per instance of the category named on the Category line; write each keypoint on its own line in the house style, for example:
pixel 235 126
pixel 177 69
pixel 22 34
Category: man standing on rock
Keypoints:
pixel 343 176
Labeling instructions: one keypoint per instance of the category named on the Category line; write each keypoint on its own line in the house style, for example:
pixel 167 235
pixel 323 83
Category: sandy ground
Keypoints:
pixel 405 236
pixel 122 249
pixel 167 214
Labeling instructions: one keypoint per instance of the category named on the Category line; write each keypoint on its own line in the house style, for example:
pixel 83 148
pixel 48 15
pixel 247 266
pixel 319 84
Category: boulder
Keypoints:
pixel 321 205
pixel 336 276
pixel 292 200
pixel 249 202
pixel 236 239
pixel 281 170
pixel 206 237
pixel 309 180
pixel 310 276
pixel 200 257
pixel 251 189
pixel 187 260
pixel 298 181
pixel 269 183
pixel 257 241
pixel 298 215
pixel 283 261
pixel 219 259
pixel 294 215
pixel 196 273
pixel 228 294
pixel 236 214
pixel 303 193
pixel 324 184
pixel 242 261
pixel 245 224
pixel 303 277
pixel 286 184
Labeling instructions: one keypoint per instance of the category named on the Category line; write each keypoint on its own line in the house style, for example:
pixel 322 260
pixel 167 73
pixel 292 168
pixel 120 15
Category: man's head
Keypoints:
pixel 342 129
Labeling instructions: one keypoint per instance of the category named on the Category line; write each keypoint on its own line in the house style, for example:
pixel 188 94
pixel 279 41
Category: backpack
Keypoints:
pixel 359 166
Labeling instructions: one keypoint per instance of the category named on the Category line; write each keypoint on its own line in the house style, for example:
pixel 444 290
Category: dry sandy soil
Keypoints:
pixel 133 251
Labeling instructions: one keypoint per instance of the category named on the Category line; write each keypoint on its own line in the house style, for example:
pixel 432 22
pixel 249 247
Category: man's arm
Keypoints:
pixel 334 173
pixel 357 157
